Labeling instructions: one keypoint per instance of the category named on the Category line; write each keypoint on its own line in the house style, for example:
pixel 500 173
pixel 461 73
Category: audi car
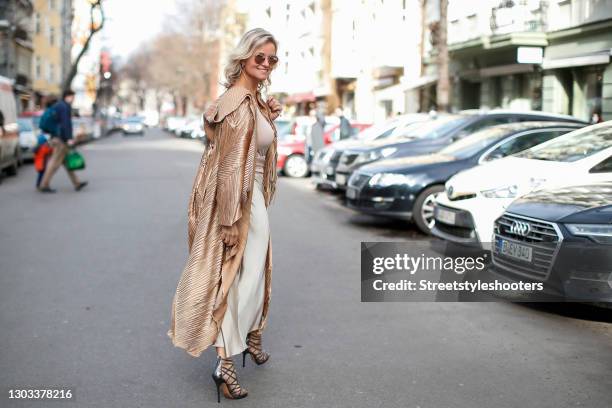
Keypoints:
pixel 433 136
pixel 560 237
pixel 406 187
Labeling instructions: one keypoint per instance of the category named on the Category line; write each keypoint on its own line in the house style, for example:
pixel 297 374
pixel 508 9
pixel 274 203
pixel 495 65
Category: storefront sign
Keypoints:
pixel 529 55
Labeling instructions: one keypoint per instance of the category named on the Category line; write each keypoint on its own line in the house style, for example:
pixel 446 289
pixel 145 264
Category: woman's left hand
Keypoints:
pixel 275 107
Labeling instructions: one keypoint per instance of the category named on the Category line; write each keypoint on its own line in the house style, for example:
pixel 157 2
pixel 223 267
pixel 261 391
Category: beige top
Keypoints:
pixel 265 136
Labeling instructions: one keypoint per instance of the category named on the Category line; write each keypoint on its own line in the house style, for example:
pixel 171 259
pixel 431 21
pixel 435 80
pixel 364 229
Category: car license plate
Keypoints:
pixel 445 216
pixel 351 193
pixel 341 179
pixel 329 170
pixel 514 250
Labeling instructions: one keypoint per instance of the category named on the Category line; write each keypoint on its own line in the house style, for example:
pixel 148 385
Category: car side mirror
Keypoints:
pixel 459 135
pixel 494 156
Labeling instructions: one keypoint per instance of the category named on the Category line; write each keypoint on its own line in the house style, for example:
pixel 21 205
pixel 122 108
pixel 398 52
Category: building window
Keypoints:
pixel 37 23
pixel 52 35
pixel 51 4
pixel 37 68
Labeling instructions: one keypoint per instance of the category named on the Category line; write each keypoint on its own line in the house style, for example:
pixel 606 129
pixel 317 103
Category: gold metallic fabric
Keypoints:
pixel 221 195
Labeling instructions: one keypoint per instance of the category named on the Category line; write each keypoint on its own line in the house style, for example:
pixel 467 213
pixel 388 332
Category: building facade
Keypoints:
pixel 16 49
pixel 577 73
pixel 549 55
pixel 52 44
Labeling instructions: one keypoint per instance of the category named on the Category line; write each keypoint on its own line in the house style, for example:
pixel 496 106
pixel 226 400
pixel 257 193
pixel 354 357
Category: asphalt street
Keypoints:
pixel 87 279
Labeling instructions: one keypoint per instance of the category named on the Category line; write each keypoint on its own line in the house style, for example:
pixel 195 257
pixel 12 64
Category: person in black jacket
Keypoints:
pixel 59 142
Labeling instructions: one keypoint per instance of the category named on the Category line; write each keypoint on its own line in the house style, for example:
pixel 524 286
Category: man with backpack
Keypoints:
pixel 57 121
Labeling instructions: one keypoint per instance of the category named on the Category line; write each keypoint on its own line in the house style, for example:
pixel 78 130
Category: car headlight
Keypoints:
pixel 601 233
pixel 367 157
pixel 284 150
pixel 374 155
pixel 501 192
pixel 325 155
pixel 390 179
pixel 388 151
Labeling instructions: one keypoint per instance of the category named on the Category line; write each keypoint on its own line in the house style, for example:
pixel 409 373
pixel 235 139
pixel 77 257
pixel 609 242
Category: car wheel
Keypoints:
pixel 296 166
pixel 12 169
pixel 422 212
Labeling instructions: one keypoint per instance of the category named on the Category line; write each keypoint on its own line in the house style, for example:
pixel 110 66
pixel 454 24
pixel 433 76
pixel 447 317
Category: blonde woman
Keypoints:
pixel 223 294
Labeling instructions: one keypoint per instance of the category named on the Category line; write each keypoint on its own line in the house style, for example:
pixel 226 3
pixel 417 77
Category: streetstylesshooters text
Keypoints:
pixel 458 265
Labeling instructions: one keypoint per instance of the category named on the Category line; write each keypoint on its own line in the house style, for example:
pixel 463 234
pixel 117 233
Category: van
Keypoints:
pixel 9 135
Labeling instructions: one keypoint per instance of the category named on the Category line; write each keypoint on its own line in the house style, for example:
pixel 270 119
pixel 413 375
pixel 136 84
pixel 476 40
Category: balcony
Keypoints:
pixel 518 16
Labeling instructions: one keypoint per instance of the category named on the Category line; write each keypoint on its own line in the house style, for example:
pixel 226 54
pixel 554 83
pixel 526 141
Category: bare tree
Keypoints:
pixel 182 60
pixel 94 27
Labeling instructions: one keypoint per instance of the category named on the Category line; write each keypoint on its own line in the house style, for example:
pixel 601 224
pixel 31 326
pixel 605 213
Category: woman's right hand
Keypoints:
pixel 229 235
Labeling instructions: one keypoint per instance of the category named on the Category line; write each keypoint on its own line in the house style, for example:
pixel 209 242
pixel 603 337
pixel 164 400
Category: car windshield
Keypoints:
pixel 134 119
pixel 572 146
pixel 377 131
pixel 25 125
pixel 472 144
pixel 435 128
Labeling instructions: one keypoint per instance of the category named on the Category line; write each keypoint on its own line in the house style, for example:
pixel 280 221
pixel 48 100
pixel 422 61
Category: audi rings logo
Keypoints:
pixel 520 228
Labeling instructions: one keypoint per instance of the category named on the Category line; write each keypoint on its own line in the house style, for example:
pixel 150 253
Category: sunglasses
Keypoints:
pixel 261 57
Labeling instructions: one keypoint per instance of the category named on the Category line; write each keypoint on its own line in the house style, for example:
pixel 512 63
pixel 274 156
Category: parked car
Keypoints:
pixel 83 128
pixel 475 198
pixel 291 150
pixel 284 127
pixel 325 162
pixel 406 187
pixel 561 237
pixel 10 152
pixel 174 122
pixel 192 125
pixel 434 135
pixel 133 125
pixel 28 137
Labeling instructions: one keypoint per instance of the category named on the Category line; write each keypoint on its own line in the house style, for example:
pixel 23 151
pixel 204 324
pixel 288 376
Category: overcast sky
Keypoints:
pixel 130 23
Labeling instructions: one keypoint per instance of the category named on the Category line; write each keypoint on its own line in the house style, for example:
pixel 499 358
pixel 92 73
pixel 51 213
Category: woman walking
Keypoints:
pixel 223 294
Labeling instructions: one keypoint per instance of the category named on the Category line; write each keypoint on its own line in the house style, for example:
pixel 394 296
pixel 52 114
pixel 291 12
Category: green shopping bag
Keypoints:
pixel 74 160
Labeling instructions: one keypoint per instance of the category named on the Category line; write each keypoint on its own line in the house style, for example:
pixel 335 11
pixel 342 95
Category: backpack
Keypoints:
pixel 49 122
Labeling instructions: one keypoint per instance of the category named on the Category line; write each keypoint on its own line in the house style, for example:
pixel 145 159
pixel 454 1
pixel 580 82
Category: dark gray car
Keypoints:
pixel 433 135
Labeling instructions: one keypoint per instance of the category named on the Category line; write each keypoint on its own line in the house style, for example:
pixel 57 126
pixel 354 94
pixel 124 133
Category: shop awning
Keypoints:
pixel 509 69
pixel 598 58
pixel 418 82
pixel 301 97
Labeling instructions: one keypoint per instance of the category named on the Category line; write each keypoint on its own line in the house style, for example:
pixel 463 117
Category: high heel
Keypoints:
pixel 224 376
pixel 258 355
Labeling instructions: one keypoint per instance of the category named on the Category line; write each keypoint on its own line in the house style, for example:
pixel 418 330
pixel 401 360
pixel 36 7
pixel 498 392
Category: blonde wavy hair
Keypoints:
pixel 250 41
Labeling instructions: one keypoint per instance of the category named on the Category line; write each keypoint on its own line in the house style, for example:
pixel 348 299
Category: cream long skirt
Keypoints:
pixel 246 295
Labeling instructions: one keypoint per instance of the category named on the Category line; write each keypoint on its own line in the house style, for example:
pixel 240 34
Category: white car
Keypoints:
pixel 27 137
pixel 475 198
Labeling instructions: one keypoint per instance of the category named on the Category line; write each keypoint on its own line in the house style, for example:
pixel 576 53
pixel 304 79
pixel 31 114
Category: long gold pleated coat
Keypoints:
pixel 221 195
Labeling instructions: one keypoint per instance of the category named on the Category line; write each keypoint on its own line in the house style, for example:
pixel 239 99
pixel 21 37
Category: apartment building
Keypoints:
pixel 51 37
pixel 549 55
pixel 16 48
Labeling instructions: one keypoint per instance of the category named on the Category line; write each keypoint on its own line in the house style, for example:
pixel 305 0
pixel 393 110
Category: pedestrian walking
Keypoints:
pixel 61 137
pixel 223 295
pixel 345 125
pixel 308 137
pixel 317 140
